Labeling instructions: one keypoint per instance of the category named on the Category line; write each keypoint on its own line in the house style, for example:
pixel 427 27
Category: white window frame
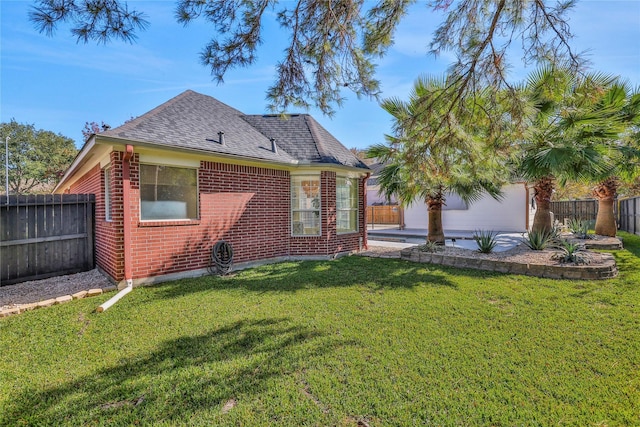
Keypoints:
pixel 318 211
pixel 197 193
pixel 107 194
pixel 355 183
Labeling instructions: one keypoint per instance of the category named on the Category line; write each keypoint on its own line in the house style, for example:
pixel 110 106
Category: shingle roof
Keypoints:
pixel 192 121
pixel 302 137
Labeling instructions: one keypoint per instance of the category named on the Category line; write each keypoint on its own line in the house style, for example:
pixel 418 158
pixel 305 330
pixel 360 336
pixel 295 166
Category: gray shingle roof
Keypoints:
pixel 302 137
pixel 192 121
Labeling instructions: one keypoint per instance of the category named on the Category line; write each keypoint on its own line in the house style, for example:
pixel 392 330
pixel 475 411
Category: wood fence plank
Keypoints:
pixel 46 235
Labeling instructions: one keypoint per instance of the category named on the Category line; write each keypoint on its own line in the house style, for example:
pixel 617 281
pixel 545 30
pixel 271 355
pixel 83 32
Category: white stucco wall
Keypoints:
pixel 510 214
pixel 375 198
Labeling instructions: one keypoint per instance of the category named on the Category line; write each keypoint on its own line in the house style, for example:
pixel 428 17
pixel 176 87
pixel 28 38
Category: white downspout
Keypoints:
pixel 116 297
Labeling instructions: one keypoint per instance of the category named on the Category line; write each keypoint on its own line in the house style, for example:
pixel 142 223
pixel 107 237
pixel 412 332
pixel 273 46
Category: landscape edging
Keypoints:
pixel 21 308
pixel 607 270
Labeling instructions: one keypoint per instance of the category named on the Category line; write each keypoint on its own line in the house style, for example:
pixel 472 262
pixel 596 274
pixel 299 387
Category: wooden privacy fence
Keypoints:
pixel 586 210
pixel 386 214
pixel 629 215
pixel 45 235
pixel 626 211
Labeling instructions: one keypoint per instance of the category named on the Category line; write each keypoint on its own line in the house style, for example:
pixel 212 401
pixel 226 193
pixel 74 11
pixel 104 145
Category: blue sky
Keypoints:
pixel 58 85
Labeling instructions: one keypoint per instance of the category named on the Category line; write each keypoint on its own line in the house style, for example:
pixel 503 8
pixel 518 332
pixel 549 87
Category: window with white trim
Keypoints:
pixel 346 204
pixel 305 205
pixel 107 194
pixel 168 192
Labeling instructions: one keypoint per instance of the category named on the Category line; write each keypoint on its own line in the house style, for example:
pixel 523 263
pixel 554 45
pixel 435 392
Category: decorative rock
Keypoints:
pixel 63 299
pixel 9 311
pixel 110 288
pixel 94 292
pixel 449 260
pixel 28 307
pixel 436 258
pixel 502 266
pixel 572 274
pixel 46 303
pixel 425 256
pixel 79 295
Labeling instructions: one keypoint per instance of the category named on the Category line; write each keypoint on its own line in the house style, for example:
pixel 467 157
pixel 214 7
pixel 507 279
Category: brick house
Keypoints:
pixel 176 180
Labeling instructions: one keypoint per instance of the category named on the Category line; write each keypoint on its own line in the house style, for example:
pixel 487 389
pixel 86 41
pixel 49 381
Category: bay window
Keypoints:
pixel 305 205
pixel 346 204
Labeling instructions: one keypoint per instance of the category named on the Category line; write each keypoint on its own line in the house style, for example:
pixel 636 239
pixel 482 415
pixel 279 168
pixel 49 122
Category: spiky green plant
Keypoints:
pixel 430 246
pixel 486 241
pixel 579 228
pixel 571 253
pixel 538 240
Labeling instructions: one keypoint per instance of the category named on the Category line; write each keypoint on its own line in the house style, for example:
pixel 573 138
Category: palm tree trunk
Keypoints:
pixel 542 192
pixel 434 206
pixel 606 193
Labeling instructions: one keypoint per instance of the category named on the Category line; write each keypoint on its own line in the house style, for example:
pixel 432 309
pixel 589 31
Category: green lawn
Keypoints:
pixel 358 340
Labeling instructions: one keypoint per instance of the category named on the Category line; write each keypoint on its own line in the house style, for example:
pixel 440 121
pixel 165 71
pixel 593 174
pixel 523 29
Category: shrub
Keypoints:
pixel 571 253
pixel 486 241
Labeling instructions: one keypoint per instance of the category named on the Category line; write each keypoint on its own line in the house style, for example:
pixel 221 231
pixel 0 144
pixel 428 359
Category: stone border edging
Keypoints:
pixel 21 308
pixel 607 270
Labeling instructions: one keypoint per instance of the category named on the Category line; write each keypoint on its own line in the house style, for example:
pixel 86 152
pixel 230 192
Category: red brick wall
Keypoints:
pixel 247 206
pixel 108 234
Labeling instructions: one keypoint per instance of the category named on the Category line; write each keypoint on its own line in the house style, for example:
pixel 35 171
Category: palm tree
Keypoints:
pixel 565 138
pixel 624 156
pixel 435 151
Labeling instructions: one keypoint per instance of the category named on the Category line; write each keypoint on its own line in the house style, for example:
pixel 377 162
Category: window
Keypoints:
pixel 107 194
pixel 346 204
pixel 168 192
pixel 305 205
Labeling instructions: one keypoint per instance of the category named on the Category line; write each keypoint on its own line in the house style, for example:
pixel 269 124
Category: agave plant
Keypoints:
pixel 579 228
pixel 539 240
pixel 430 246
pixel 573 253
pixel 486 241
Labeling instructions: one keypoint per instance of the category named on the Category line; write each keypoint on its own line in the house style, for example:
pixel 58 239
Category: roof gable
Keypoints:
pixel 304 138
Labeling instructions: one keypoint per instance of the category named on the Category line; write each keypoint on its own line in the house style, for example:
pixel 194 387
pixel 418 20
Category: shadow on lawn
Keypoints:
pixel 631 242
pixel 375 273
pixel 183 377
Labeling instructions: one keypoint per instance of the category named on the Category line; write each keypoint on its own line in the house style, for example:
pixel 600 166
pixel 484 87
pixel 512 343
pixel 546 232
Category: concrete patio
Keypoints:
pixel 393 237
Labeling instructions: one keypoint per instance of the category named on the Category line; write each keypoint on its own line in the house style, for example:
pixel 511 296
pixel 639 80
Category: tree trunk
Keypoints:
pixel 436 232
pixel 542 192
pixel 606 193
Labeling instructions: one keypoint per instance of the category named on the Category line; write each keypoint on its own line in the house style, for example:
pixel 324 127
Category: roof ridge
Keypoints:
pixel 312 125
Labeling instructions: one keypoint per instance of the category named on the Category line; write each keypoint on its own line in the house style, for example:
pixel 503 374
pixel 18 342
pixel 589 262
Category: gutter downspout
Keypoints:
pixel 126 212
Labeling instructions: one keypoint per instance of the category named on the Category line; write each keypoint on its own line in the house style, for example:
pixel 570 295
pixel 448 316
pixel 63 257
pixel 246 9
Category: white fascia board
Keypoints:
pixel 80 157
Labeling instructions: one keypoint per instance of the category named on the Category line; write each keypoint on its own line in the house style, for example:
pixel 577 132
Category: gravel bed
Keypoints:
pixel 39 290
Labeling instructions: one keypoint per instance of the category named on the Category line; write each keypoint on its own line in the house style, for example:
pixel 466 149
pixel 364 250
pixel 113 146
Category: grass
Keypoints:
pixel 357 340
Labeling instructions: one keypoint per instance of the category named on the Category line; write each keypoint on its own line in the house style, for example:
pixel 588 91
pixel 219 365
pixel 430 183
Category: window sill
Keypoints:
pixel 169 223
pixel 342 233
